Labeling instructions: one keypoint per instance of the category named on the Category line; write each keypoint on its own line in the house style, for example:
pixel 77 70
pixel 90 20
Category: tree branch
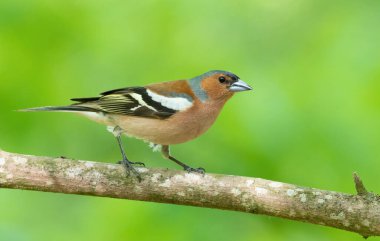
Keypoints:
pixel 357 213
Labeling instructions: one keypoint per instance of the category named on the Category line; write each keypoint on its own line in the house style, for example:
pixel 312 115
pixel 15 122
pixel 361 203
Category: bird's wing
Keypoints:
pixel 133 101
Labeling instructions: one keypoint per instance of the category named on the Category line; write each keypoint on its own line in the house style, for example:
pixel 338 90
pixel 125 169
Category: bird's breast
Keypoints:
pixel 179 128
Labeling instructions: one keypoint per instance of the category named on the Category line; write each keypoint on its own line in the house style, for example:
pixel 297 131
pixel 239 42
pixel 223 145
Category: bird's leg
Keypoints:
pixel 117 131
pixel 127 164
pixel 166 152
pixel 124 155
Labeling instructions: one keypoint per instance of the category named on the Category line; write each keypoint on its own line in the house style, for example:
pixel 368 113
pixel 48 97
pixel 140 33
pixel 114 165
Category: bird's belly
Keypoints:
pixel 173 130
pixel 97 117
pixel 159 131
pixel 179 128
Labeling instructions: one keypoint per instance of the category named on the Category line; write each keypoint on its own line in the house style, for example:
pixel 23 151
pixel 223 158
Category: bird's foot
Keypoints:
pixel 132 163
pixel 197 170
pixel 130 169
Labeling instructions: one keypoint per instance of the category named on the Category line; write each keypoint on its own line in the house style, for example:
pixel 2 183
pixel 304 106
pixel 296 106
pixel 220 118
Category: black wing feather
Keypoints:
pixel 123 102
pixel 123 90
pixel 83 100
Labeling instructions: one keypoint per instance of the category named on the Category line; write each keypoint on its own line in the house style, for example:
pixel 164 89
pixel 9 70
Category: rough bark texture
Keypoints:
pixel 358 213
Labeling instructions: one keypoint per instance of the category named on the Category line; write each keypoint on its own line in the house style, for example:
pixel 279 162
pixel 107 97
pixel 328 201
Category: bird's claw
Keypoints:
pixel 138 163
pixel 132 163
pixel 199 170
pixel 130 169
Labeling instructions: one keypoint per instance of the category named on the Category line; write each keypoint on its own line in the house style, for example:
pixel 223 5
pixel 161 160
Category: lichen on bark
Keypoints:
pixel 358 213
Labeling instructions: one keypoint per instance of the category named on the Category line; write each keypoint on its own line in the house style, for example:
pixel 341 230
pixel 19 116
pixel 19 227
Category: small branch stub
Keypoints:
pixel 359 186
pixel 356 213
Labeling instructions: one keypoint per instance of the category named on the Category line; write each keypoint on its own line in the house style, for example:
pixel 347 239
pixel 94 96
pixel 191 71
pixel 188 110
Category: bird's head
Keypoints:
pixel 217 85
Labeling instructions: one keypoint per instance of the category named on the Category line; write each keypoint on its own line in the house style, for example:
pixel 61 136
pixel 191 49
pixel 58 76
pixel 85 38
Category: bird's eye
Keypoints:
pixel 222 79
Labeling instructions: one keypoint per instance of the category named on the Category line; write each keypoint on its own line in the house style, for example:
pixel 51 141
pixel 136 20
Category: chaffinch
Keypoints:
pixel 163 114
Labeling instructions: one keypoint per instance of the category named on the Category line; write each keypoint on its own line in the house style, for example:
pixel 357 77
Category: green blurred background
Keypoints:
pixel 312 119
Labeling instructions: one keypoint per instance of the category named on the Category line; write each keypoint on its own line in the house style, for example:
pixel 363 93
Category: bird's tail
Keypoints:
pixel 70 108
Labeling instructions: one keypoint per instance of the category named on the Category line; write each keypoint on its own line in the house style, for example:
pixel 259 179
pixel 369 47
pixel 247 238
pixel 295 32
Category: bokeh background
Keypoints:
pixel 312 119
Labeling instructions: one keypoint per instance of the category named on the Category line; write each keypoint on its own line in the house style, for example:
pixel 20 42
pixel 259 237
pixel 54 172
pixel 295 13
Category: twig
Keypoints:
pixel 359 186
pixel 356 213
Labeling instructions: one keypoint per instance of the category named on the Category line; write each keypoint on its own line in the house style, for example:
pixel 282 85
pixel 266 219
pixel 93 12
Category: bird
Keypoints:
pixel 163 114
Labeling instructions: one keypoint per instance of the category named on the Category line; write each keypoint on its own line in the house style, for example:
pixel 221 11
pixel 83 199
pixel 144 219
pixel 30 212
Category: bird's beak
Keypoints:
pixel 239 86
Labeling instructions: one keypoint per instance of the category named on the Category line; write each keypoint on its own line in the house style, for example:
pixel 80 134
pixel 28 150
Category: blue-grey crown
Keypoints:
pixel 195 83
pixel 213 72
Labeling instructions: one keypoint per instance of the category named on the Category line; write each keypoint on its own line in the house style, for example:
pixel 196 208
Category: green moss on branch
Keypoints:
pixel 357 213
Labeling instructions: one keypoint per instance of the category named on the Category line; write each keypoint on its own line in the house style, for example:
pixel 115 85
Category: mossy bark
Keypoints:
pixel 358 213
